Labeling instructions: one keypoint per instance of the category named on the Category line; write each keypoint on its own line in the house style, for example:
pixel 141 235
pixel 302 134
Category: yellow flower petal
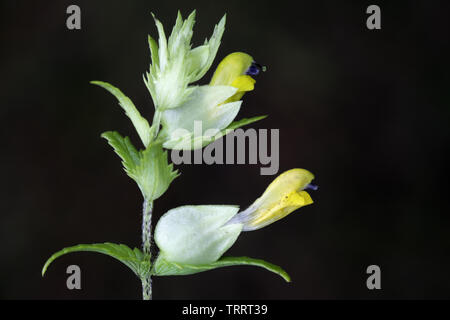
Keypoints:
pixel 231 72
pixel 288 181
pixel 232 66
pixel 267 215
pixel 283 196
pixel 244 83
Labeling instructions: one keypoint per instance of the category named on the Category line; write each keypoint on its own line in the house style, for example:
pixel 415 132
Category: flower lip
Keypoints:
pixel 254 69
pixel 284 195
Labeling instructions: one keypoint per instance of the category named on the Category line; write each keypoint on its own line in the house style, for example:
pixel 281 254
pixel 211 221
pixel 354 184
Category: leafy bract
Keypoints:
pixel 161 267
pixel 175 65
pixel 140 124
pixel 149 168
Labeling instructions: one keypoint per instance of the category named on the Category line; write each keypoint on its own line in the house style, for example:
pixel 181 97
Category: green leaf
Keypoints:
pixel 154 174
pixel 153 51
pixel 141 124
pixel 244 122
pixel 133 259
pixel 149 168
pixel 162 267
pixel 125 150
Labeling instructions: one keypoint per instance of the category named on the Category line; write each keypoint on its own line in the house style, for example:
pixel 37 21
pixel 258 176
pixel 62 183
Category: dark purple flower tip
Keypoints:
pixel 312 187
pixel 254 69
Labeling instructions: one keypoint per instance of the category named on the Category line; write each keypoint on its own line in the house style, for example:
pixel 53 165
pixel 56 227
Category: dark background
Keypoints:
pixel 366 111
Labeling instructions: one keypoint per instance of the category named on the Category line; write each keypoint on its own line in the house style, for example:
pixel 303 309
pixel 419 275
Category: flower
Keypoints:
pixel 235 70
pixel 201 234
pixel 212 108
pixel 283 196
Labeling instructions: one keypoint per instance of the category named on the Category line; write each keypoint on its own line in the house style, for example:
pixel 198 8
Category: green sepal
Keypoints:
pixel 162 267
pixel 140 123
pixel 149 168
pixel 134 259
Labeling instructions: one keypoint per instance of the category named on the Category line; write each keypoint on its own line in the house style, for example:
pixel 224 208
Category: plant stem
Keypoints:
pixel 147 209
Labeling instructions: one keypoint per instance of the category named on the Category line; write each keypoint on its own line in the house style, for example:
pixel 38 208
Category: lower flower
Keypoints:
pixel 202 234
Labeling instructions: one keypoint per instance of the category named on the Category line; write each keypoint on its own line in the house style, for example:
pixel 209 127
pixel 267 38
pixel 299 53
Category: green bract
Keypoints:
pixel 175 65
pixel 140 124
pixel 149 168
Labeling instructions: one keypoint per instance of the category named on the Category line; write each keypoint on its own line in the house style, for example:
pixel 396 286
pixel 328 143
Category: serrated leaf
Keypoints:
pixel 124 149
pixel 140 124
pixel 154 174
pixel 134 259
pixel 162 267
pixel 149 168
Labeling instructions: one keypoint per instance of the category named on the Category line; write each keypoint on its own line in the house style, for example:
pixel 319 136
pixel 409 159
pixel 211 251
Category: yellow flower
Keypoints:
pixel 284 195
pixel 236 70
pixel 202 234
pixel 215 106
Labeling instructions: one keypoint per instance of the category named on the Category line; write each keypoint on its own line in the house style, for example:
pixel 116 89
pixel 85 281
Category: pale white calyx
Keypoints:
pixel 196 234
pixel 200 118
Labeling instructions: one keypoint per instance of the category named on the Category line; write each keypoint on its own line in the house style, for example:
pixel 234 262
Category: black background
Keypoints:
pixel 366 111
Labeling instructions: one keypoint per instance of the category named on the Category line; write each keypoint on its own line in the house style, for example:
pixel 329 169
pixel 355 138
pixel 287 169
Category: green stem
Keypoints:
pixel 146 280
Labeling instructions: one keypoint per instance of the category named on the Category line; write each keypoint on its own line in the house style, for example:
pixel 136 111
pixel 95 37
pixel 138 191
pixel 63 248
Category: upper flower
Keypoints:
pixel 236 70
pixel 181 106
pixel 211 107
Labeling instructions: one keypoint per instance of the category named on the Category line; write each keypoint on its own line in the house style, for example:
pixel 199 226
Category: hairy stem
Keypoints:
pixel 147 209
